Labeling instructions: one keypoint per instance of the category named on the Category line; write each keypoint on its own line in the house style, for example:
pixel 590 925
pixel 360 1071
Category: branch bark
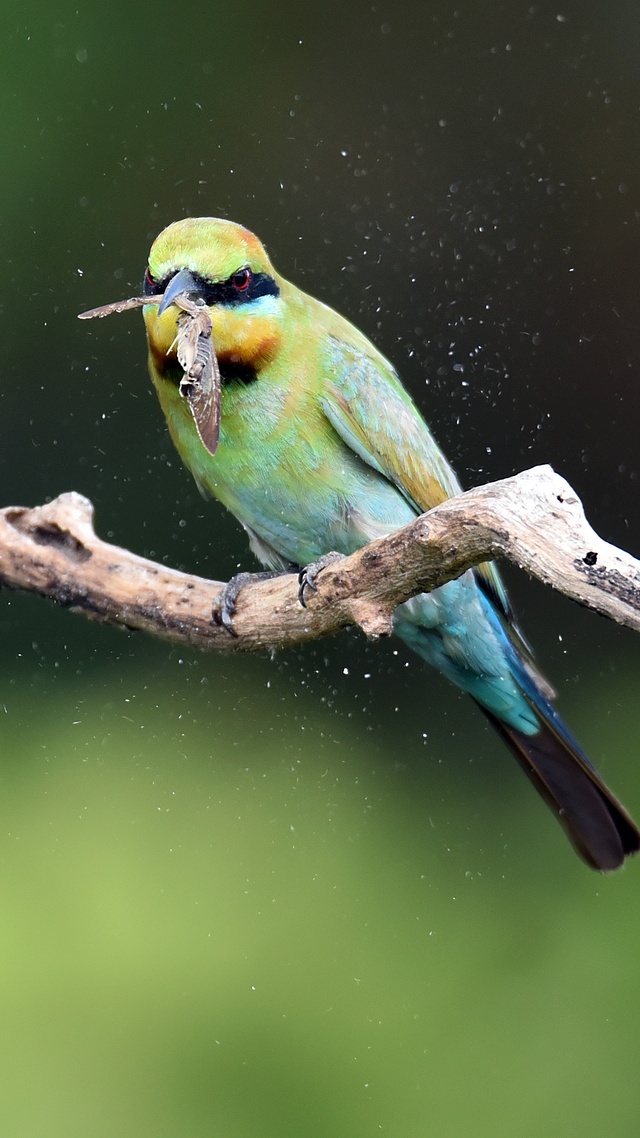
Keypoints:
pixel 534 519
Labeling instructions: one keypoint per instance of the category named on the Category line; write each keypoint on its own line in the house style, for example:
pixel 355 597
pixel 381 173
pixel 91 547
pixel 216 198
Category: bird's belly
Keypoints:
pixel 291 481
pixel 305 513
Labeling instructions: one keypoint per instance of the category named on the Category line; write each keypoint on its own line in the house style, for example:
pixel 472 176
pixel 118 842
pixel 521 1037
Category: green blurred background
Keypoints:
pixel 313 895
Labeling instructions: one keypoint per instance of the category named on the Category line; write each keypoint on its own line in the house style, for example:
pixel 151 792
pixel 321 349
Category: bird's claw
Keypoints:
pixel 224 606
pixel 307 576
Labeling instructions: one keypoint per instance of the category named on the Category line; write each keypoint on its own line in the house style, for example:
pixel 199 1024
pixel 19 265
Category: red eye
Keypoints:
pixel 150 286
pixel 240 280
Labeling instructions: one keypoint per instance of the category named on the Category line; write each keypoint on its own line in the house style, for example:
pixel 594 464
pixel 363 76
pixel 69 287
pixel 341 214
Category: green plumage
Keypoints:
pixel 322 449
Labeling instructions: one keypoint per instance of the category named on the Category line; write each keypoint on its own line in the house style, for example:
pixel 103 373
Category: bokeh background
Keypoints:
pixel 312 895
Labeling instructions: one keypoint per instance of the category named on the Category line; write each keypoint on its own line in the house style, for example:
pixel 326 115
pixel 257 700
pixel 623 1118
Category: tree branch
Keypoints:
pixel 534 520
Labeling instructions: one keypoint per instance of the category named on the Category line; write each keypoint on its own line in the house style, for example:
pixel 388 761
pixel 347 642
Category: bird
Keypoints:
pixel 317 450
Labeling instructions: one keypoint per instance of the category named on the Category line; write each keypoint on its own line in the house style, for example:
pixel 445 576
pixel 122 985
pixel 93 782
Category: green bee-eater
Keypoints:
pixel 321 449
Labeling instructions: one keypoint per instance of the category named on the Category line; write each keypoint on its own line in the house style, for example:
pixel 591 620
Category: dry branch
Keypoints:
pixel 534 520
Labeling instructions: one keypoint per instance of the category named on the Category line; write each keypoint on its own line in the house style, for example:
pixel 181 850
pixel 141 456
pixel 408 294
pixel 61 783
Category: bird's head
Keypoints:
pixel 218 314
pixel 225 266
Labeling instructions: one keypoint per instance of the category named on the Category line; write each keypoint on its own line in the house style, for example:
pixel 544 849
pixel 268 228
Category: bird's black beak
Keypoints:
pixel 183 282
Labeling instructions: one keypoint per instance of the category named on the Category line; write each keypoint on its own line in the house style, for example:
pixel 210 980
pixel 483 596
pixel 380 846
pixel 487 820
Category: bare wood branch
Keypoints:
pixel 534 520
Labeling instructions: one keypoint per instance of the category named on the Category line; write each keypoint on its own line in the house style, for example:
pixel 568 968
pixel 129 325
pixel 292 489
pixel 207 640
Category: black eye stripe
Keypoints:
pixel 228 293
pixel 221 292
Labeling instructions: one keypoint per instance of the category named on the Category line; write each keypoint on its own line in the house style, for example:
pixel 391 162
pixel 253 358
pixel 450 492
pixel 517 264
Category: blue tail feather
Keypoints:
pixel 470 646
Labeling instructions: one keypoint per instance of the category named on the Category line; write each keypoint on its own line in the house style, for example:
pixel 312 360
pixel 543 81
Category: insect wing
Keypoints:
pixel 204 401
pixel 118 306
pixel 201 383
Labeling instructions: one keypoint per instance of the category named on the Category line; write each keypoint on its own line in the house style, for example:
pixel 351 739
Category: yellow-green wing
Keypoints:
pixel 371 411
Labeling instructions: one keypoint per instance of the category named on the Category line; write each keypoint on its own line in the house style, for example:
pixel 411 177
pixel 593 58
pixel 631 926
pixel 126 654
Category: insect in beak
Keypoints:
pixel 200 384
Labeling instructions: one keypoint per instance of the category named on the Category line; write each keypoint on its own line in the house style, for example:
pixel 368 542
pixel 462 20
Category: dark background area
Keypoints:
pixel 312 895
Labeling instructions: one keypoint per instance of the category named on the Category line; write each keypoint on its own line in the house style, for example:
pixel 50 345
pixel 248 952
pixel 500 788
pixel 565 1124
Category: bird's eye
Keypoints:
pixel 240 280
pixel 150 285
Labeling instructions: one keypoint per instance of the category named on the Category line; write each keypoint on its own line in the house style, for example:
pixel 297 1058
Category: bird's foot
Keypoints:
pixel 224 606
pixel 307 576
